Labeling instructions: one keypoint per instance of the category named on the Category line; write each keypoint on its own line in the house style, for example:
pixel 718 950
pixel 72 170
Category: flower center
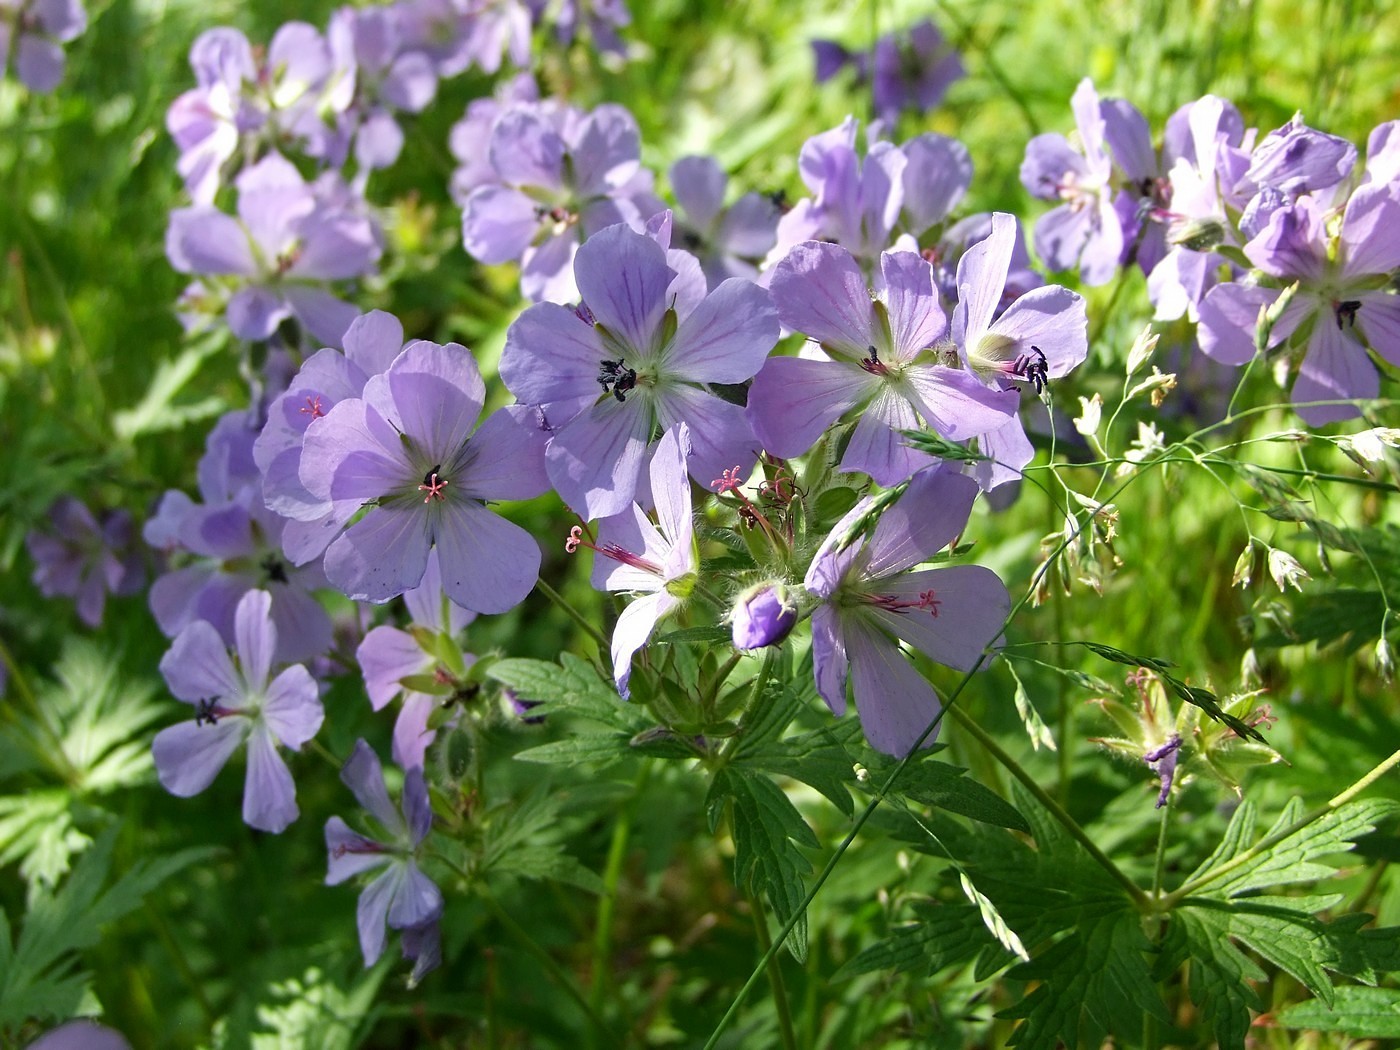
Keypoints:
pixel 1346 312
pixel 927 601
pixel 616 378
pixel 210 711
pixel 433 485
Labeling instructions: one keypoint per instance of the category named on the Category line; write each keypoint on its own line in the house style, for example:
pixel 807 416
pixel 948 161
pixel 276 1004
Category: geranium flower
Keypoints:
pixel 84 559
pixel 870 602
pixel 234 704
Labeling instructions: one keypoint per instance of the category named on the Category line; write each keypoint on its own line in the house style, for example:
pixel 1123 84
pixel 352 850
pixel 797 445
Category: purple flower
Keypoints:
pixel 1296 159
pixel 83 1034
pixel 658 561
pixel 870 602
pixel 653 344
pixel 470 140
pixel 400 896
pixel 33 30
pixel 729 242
pixel 912 70
pixel 289 238
pixel 229 544
pixel 1085 228
pixel 1162 761
pixel 234 704
pixel 886 363
pixel 560 176
pixel 602 19
pixel 763 616
pixel 388 655
pixel 1039 337
pixel 407 450
pixel 1341 292
pixel 864 204
pixel 85 559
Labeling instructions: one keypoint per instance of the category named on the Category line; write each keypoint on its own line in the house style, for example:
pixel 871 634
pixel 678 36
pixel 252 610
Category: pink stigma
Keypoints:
pixel 433 485
pixel 927 600
pixel 729 481
pixel 313 407
pixel 610 550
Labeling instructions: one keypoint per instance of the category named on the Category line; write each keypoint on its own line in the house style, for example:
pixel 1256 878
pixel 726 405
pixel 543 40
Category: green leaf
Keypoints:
pixel 548 862
pixel 944 786
pixel 1362 1013
pixel 767 831
pixel 599 748
pixel 1220 973
pixel 706 634
pixel 313 1013
pixel 818 759
pixel 944 935
pixel 156 412
pixel 571 686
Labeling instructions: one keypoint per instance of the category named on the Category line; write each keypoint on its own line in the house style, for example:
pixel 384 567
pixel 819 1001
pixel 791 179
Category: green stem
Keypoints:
pixel 1268 842
pixel 775 972
pixel 182 964
pixel 560 975
pixel 1053 808
pixel 607 902
pixel 573 614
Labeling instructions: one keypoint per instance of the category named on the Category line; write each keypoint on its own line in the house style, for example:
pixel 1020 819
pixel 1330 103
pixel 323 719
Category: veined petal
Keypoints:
pixel 670 485
pixel 1370 240
pixel 498 224
pixel 893 700
pixel 204 240
pixel 364 776
pixel 434 393
pixel 189 755
pixel 928 517
pixel 256 638
pixel 916 319
pixel 1378 317
pixel 726 338
pixel 488 564
pixel 958 405
pixel 197 666
pixel 595 459
pixel 820 291
pixel 381 555
pixel 966 606
pixel 551 355
pixel 793 400
pixel 1053 321
pixel 352 453
pixel 386 656
pixel 623 278
pixel 877 447
pixel 269 794
pixel 633 629
pixel 720 437
pixel 1229 313
pixel 1335 368
pixel 416 901
pixel 981 277
pixel 348 853
pixel 829 662
pixel 372 911
pixel 504 459
pixel 293 708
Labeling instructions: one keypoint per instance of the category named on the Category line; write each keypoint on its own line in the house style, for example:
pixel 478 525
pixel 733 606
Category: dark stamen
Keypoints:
pixel 207 711
pixel 1346 312
pixel 618 377
pixel 872 364
pixel 274 569
pixel 1033 368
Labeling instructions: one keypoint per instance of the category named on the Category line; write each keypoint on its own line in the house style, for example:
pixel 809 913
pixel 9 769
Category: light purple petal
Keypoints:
pixel 633 629
pixel 893 700
pixel 607 152
pixel 1053 320
pixel 434 394
pixel 1379 319
pixel 938 174
pixel 916 318
pixel 504 459
pixel 256 638
pixel 829 662
pixel 1335 368
pixel 793 400
pixel 255 312
pixel 382 555
pixel 348 853
pixel 386 656
pixel 293 709
pixel 698 184
pixel 551 355
pixel 1371 232
pixel 498 224
pixel 364 776
pixel 325 317
pixel 981 277
pixel 188 756
pixel 727 336
pixel 958 405
pixel 670 485
pixel 971 607
pixel 269 794
pixel 877 448
pixel 720 437
pixel 373 909
pixel 1229 313
pixel 488 564
pixel 372 342
pixel 352 453
pixel 412 737
pixel 204 240
pixel 416 901
pixel 594 461
pixel 928 517
pixel 820 291
pixel 197 666
pixel 623 278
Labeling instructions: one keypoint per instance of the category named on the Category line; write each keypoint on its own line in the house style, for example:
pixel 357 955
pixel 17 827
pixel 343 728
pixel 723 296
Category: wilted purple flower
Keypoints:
pixel 229 544
pixel 234 704
pixel 658 561
pixel 729 242
pixel 868 204
pixel 870 602
pixel 1085 228
pixel 1162 761
pixel 407 450
pixel 763 615
pixel 1039 337
pixel 886 362
pixel 653 345
pixel 290 238
pixel 400 896
pixel 33 30
pixel 84 559
pixel 1341 293
pixel 389 655
pixel 561 176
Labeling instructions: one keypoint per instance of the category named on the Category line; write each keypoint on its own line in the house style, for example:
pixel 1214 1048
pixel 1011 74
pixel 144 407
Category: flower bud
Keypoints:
pixel 763 615
pixel 1285 570
pixel 1385 662
pixel 1199 235
pixel 1141 351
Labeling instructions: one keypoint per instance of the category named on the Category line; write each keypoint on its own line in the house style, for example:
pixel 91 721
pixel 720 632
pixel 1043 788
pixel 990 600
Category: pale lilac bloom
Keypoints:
pixel 388 655
pixel 866 204
pixel 561 176
pixel 763 616
pixel 870 601
pixel 1341 292
pixel 234 704
pixel 729 242
pixel 1039 337
pixel 34 30
pixel 289 239
pixel 1085 228
pixel 470 138
pixel 367 46
pixel 643 349
pixel 1296 159
pixel 1383 155
pixel 884 359
pixel 400 897
pixel 254 101
pixel 85 559
pixel 328 377
pixel 83 1034
pixel 659 562
pixel 229 544
pixel 408 450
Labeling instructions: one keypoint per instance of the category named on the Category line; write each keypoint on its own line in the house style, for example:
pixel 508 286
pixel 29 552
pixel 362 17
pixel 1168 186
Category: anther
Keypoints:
pixel 616 378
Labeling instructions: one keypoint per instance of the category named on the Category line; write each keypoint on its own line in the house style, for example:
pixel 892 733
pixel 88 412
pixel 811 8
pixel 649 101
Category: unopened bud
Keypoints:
pixel 1141 351
pixel 1090 415
pixel 1199 235
pixel 763 616
pixel 1158 384
pixel 1244 567
pixel 1284 568
pixel 1385 662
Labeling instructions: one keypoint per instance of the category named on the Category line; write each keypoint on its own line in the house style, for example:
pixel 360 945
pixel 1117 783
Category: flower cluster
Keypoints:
pixel 32 35
pixel 907 70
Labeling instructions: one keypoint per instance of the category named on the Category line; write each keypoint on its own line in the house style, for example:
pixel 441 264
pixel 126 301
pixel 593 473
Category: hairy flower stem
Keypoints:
pixel 1053 808
pixel 1268 842
pixel 607 901
pixel 775 971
